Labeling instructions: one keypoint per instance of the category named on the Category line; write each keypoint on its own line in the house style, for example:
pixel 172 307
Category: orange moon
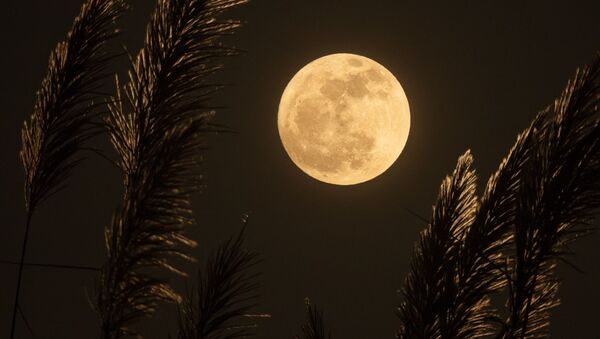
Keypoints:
pixel 343 119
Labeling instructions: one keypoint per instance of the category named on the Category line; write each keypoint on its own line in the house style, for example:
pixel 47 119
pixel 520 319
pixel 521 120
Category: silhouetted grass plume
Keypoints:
pixel 314 325
pixel 543 196
pixel 156 126
pixel 481 262
pixel 558 198
pixel 61 120
pixel 430 283
pixel 227 292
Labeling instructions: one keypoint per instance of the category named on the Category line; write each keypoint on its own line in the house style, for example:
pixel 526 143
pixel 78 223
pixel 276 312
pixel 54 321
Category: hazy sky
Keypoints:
pixel 475 73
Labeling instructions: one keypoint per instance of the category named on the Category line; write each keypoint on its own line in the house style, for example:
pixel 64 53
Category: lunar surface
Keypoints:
pixel 343 119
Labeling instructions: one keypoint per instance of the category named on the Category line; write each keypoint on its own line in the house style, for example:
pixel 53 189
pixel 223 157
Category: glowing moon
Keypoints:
pixel 343 119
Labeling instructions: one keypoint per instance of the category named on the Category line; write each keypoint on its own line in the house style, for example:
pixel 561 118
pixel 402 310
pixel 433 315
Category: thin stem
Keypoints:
pixel 528 305
pixel 417 215
pixel 20 274
pixel 74 267
pixel 26 321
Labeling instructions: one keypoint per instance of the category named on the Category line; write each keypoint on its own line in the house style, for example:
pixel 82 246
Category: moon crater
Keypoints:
pixel 343 119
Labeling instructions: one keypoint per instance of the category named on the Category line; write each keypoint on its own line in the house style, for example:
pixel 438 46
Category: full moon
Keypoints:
pixel 343 119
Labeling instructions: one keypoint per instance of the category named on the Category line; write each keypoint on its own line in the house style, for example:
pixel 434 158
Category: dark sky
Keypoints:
pixel 475 73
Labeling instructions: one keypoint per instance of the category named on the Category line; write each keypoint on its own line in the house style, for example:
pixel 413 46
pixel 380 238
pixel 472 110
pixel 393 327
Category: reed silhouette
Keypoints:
pixel 543 196
pixel 156 124
pixel 314 325
pixel 227 292
pixel 64 111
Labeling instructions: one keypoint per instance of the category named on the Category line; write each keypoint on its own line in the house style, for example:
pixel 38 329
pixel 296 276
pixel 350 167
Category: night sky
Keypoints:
pixel 474 74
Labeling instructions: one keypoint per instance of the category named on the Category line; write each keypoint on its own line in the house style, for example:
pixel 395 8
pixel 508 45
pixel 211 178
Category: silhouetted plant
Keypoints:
pixel 158 138
pixel 481 268
pixel 61 120
pixel 542 197
pixel 479 265
pixel 227 292
pixel 430 284
pixel 558 197
pixel 314 325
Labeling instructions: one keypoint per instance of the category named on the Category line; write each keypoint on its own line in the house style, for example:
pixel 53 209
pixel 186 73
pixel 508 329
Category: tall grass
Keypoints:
pixel 221 308
pixel 543 196
pixel 156 124
pixel 314 324
pixel 558 197
pixel 65 107
pixel 430 283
